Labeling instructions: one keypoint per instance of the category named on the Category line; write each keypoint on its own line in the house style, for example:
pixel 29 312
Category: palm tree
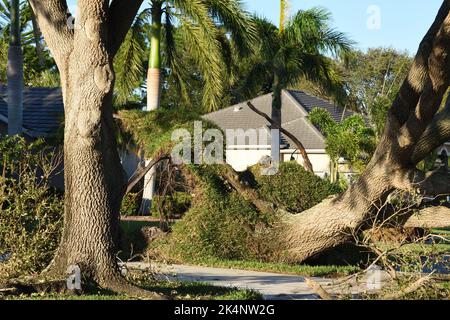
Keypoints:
pixel 29 29
pixel 15 71
pixel 299 48
pixel 202 28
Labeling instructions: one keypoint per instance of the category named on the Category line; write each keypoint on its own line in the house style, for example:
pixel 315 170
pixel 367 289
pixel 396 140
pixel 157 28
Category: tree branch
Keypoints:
pixel 248 193
pixel 437 133
pixel 52 17
pixel 413 86
pixel 143 171
pixel 299 145
pixel 120 18
pixel 431 217
pixel 436 183
pixel 434 90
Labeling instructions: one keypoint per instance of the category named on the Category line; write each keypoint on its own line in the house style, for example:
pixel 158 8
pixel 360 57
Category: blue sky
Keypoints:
pixel 402 23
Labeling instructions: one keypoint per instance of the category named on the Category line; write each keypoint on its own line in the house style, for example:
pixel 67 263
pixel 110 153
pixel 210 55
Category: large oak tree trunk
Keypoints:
pixel 94 178
pixel 414 128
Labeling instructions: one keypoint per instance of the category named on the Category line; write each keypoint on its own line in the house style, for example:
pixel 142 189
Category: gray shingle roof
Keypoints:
pixel 43 109
pixel 310 102
pixel 295 107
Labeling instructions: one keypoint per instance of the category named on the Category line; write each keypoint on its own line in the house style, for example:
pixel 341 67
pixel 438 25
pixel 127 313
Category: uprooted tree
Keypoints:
pixel 417 124
pixel 95 184
pixel 94 179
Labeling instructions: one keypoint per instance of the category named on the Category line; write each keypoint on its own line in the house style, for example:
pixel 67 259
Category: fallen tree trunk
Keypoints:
pixel 410 123
pixel 431 217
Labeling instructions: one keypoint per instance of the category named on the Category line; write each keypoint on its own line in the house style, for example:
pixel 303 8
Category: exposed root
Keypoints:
pixel 28 287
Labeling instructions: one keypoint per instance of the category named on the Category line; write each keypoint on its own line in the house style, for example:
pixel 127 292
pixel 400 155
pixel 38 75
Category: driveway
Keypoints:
pixel 272 286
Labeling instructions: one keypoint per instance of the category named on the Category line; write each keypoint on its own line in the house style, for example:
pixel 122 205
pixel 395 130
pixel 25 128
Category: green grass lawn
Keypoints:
pixel 444 232
pixel 176 290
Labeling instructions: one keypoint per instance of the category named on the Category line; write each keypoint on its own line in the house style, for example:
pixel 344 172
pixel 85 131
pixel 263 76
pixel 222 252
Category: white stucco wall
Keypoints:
pixel 319 160
pixel 240 160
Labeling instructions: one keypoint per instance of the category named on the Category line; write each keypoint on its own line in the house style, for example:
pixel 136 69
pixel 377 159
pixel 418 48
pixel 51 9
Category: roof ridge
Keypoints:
pixel 315 97
pixel 235 105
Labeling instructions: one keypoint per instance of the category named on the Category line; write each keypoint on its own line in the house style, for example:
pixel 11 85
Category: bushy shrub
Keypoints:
pixel 172 205
pixel 220 224
pixel 130 204
pixel 293 188
pixel 30 212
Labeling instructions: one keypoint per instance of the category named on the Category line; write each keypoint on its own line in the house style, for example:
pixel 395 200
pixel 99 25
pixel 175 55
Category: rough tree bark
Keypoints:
pixel 414 128
pixel 94 179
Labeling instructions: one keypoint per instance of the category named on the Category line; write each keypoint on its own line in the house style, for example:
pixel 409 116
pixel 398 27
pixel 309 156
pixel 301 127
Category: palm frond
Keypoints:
pixel 310 31
pixel 202 44
pixel 129 60
pixel 172 59
pixel 258 79
pixel 238 22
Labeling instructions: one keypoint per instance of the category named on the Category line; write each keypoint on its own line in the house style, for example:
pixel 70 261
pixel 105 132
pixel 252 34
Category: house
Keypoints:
pixel 296 105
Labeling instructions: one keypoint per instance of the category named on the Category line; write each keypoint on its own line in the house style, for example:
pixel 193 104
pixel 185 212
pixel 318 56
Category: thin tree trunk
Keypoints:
pixel 37 40
pixel 298 144
pixel 283 8
pixel 15 73
pixel 154 67
pixel 154 78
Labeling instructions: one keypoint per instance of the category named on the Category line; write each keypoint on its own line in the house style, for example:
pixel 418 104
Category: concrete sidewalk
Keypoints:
pixel 272 286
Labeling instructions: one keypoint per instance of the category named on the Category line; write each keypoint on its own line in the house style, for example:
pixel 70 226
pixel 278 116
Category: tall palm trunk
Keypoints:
pixel 283 6
pixel 276 100
pixel 15 73
pixel 153 96
pixel 154 67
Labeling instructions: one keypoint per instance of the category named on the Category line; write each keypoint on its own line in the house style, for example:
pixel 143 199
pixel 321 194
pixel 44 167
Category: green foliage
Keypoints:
pixel 196 50
pixel 350 139
pixel 39 67
pixel 373 79
pixel 130 204
pixel 128 63
pixel 172 205
pixel 153 130
pixel 30 213
pixel 293 188
pixel 302 50
pixel 220 223
pixel 3 60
